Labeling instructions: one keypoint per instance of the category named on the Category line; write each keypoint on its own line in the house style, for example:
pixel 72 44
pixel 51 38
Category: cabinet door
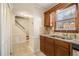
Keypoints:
pixel 49 47
pixel 42 44
pixel 52 18
pixel 47 19
pixel 60 51
pixel 49 50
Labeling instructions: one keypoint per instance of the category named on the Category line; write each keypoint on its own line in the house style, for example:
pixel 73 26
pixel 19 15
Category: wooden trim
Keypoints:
pixel 77 20
pixel 58 6
pixel 71 51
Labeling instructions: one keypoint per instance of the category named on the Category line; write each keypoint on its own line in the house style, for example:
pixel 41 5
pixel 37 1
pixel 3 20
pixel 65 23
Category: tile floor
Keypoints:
pixel 24 50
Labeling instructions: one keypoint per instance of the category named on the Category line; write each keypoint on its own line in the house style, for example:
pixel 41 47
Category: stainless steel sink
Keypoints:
pixel 56 36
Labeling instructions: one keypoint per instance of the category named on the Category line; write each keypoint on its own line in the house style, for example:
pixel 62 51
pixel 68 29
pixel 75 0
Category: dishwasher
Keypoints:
pixel 75 49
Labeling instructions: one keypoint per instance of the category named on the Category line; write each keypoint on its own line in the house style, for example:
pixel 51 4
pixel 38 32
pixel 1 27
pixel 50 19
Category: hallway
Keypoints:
pixel 18 23
pixel 28 22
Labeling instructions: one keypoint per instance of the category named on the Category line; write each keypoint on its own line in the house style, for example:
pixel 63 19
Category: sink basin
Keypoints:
pixel 58 36
pixel 53 36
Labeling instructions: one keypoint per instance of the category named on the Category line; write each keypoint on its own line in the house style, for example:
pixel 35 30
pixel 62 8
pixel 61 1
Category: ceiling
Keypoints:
pixel 28 8
pixel 45 5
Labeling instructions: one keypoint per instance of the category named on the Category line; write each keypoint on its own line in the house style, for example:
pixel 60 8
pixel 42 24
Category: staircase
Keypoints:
pixel 22 28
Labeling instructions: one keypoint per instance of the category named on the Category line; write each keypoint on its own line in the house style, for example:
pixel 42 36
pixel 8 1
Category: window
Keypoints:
pixel 65 18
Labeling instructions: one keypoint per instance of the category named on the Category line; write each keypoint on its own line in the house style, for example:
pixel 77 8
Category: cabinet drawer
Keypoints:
pixel 50 41
pixel 62 43
pixel 60 51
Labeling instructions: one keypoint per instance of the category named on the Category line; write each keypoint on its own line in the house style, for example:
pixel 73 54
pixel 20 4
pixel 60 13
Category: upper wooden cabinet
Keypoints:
pixel 63 17
pixel 49 19
pixel 50 15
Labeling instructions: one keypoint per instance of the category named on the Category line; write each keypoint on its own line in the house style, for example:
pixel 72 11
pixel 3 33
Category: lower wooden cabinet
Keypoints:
pixel 42 44
pixel 60 51
pixel 46 46
pixel 54 47
pixel 49 50
pixel 63 48
pixel 49 47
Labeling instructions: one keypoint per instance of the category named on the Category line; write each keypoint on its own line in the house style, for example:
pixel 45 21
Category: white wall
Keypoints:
pixel 31 34
pixel 4 32
pixel 19 35
pixel 6 28
pixel 0 29
pixel 38 17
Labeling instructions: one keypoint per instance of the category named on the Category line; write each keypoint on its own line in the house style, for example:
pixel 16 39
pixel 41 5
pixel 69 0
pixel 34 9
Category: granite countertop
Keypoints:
pixel 66 40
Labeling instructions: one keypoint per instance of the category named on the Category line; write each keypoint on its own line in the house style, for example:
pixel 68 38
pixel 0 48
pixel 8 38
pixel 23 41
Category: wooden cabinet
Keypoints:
pixel 62 48
pixel 42 44
pixel 54 47
pixel 62 43
pixel 49 47
pixel 60 51
pixel 63 17
pixel 52 19
pixel 50 15
pixel 49 19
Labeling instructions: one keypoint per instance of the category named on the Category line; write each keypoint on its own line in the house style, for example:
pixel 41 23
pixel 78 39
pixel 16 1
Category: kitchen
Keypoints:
pixel 61 28
pixel 39 29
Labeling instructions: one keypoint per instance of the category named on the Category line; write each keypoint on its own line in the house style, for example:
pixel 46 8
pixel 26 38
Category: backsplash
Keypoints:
pixel 70 36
